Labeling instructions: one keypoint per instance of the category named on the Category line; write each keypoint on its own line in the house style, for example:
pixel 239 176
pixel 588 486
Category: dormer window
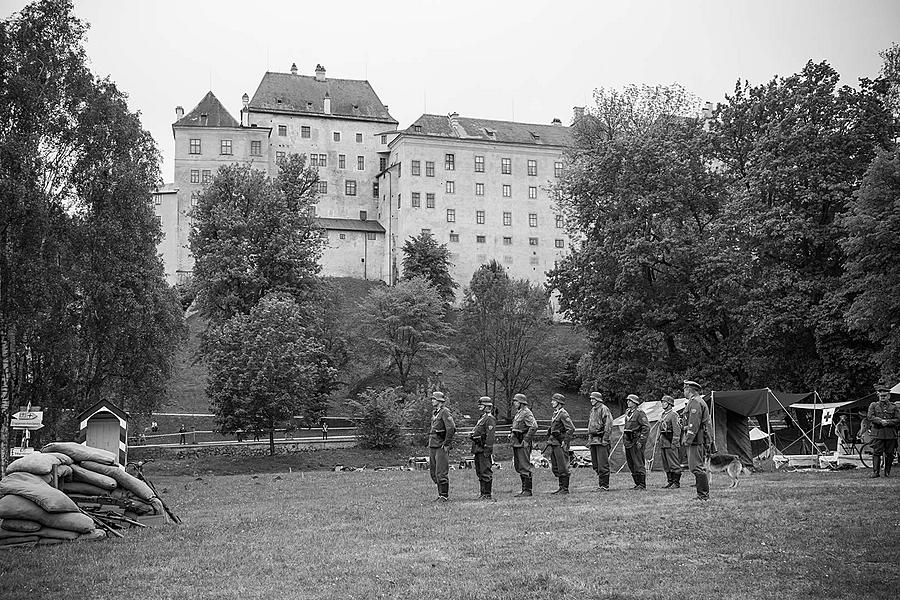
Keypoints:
pixel 417 128
pixel 277 100
pixel 489 132
pixel 204 118
pixel 309 106
pixel 535 136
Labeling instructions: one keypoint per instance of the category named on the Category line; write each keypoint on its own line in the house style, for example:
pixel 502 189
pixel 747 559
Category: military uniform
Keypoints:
pixel 442 430
pixel 524 426
pixel 634 439
pixel 884 419
pixel 482 448
pixel 559 436
pixel 599 429
pixel 670 443
pixel 697 436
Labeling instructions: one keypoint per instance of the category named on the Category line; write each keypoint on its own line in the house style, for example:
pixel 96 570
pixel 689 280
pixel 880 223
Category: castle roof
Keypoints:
pixel 305 94
pixel 216 115
pixel 510 132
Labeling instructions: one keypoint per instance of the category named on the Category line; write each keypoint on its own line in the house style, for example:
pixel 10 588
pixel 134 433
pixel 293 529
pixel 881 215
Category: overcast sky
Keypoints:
pixel 522 60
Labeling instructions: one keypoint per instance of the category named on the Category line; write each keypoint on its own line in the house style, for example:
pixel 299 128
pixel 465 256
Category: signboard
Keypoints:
pixel 17 452
pixel 28 419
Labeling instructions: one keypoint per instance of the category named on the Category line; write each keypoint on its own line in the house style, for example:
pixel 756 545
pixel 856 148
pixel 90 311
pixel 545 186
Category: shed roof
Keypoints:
pixel 349 224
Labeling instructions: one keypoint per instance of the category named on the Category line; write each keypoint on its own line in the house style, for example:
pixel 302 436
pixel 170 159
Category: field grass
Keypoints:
pixel 369 534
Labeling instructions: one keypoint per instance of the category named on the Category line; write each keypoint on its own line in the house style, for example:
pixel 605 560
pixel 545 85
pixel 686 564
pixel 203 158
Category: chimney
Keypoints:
pixel 245 112
pixel 578 113
pixel 320 73
pixel 179 112
pixel 454 122
pixel 556 122
pixel 327 103
pixel 293 68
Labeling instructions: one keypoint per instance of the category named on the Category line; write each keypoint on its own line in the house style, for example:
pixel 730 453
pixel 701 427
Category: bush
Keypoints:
pixel 379 418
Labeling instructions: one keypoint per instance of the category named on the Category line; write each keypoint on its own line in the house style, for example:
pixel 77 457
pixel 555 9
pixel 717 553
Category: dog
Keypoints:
pixel 728 464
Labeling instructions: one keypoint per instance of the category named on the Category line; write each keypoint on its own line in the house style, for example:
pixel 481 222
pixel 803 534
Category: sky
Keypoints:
pixel 518 60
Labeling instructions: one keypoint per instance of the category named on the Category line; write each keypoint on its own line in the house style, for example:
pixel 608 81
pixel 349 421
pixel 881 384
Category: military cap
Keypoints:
pixel 693 384
pixel 439 396
pixel 485 401
pixel 559 398
pixel 597 396
pixel 521 399
pixel 633 398
pixel 667 399
pixel 882 386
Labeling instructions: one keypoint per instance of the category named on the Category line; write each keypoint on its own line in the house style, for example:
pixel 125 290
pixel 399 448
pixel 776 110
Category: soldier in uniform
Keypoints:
pixel 670 442
pixel 634 439
pixel 439 438
pixel 698 437
pixel 884 419
pixel 524 426
pixel 483 446
pixel 558 437
pixel 599 428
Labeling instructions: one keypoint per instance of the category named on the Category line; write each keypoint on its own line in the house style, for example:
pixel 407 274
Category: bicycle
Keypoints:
pixel 863 450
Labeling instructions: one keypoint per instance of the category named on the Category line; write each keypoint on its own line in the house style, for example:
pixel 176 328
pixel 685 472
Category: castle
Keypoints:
pixel 482 187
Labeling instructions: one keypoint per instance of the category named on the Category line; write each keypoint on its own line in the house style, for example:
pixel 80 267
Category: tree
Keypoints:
pixel 505 327
pixel 379 418
pixel 84 310
pixel 264 366
pixel 405 322
pixel 255 235
pixel 424 257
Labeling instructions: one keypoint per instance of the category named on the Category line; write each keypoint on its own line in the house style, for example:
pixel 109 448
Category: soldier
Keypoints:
pixel 558 437
pixel 670 442
pixel 637 428
pixel 599 428
pixel 884 418
pixel 483 446
pixel 698 437
pixel 442 430
pixel 524 426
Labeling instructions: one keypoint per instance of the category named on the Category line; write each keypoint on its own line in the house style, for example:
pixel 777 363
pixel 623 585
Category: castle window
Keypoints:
pixel 450 187
pixel 360 163
pixel 225 147
pixel 507 241
pixel 304 131
pixel 479 164
pixel 507 219
pixel 532 192
pixel 449 162
pixel 429 168
pixel 282 130
pixel 560 244
pixel 256 148
pixel 479 217
pixel 337 136
pixel 479 239
pixel 194 146
pixel 416 167
pixel 451 215
pixel 323 187
pixel 195 175
pixel 429 200
pixel 359 138
pixel 416 199
pixel 532 167
pixel 350 187
pixel 507 190
pixel 342 161
pixel 454 237
pixel 506 166
pixel 532 220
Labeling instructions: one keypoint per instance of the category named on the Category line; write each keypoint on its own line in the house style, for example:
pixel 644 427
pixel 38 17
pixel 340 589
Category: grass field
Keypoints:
pixel 379 535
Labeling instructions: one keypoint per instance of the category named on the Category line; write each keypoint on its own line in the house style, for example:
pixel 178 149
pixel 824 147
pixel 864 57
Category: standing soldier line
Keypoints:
pixel 559 436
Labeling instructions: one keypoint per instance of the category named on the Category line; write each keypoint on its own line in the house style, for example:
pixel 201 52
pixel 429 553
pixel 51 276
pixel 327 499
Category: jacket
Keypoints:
pixel 637 428
pixel 889 415
pixel 698 424
pixel 524 426
pixel 599 425
pixel 561 429
pixel 442 428
pixel 669 429
pixel 483 434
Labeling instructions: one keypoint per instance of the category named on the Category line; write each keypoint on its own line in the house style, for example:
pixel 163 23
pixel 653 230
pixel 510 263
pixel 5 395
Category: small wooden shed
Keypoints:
pixel 104 425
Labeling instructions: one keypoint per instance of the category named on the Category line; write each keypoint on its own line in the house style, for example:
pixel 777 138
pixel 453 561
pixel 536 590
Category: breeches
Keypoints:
pixel 670 460
pixel 600 459
pixel 522 460
pixel 483 466
pixel 439 465
pixel 697 459
pixel 884 446
pixel 559 461
pixel 634 456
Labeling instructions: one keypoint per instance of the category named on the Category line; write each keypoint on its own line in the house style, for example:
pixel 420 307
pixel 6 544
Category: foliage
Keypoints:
pixel 505 328
pixel 424 257
pixel 264 367
pixel 379 418
pixel 406 323
pixel 254 235
pixel 84 310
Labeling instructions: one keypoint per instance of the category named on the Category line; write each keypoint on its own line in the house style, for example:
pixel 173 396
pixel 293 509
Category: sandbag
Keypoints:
pixel 49 541
pixel 36 462
pixel 125 480
pixel 64 459
pixel 80 453
pixel 79 473
pixel 5 535
pixel 96 534
pixel 63 472
pixel 22 540
pixel 59 534
pixel 84 489
pixel 28 485
pixel 17 507
pixel 19 525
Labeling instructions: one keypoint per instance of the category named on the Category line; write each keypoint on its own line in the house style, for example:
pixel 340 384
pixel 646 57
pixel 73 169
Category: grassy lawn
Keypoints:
pixel 379 535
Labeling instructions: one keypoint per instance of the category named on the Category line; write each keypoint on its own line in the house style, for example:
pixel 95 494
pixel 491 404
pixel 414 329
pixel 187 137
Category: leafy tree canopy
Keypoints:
pixel 424 257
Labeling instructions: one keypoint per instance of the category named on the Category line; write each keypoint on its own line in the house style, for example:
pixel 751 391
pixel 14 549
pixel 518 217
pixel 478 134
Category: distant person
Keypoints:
pixel 599 430
pixel 670 442
pixel 324 429
pixel 154 427
pixel 182 431
pixel 884 419
pixel 240 435
pixel 559 435
pixel 483 446
pixel 842 432
pixel 521 434
pixel 256 434
pixel 439 438
pixel 634 439
pixel 698 437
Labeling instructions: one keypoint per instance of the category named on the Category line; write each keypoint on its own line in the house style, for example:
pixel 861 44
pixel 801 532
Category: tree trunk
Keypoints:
pixel 5 396
pixel 271 438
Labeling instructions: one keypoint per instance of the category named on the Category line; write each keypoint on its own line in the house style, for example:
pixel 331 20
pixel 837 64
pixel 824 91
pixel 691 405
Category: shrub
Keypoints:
pixel 379 418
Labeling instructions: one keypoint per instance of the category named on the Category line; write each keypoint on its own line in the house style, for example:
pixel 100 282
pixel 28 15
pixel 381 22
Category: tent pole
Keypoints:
pixel 769 425
pixel 803 433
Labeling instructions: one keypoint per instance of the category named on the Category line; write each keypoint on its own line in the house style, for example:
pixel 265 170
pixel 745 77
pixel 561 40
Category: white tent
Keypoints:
pixel 653 410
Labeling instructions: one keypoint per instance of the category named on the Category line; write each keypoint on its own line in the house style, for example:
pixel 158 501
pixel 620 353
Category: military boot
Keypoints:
pixel 444 491
pixel 641 482
pixel 603 481
pixel 561 489
pixel 888 461
pixel 702 486
pixel 486 495
pixel 669 480
pixel 634 478
pixel 876 466
pixel 676 480
pixel 526 487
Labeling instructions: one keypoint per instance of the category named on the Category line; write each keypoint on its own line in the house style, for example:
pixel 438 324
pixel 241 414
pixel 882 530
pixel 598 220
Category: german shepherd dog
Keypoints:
pixel 728 464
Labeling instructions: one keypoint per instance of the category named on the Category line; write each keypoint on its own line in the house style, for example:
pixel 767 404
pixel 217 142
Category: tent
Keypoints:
pixel 654 411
